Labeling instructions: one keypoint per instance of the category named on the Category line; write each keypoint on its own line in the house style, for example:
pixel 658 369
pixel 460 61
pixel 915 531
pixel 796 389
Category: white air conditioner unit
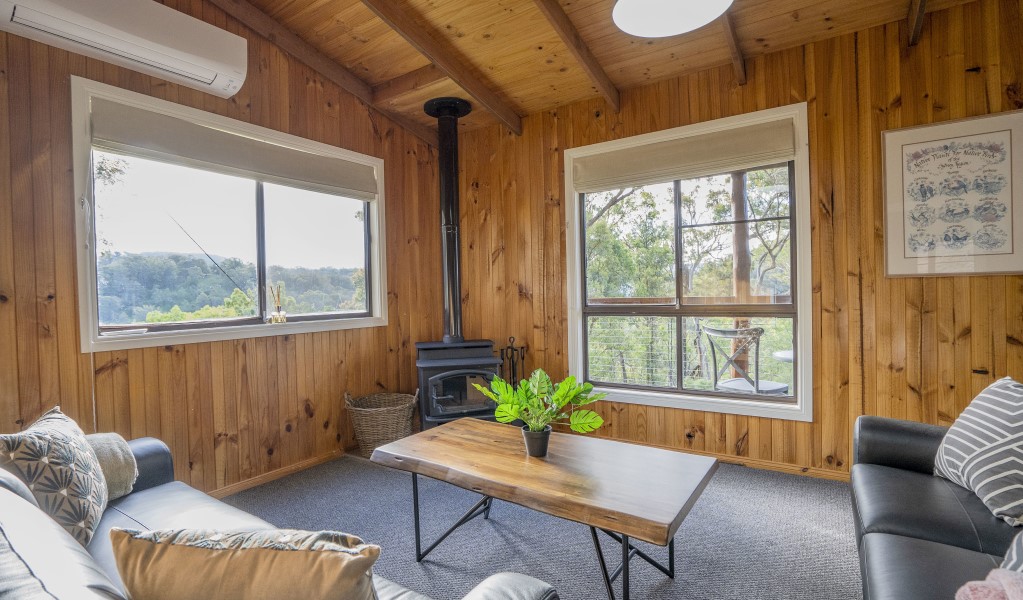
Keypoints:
pixel 142 35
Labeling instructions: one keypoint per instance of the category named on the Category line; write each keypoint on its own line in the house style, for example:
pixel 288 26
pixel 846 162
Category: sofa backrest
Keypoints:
pixel 39 559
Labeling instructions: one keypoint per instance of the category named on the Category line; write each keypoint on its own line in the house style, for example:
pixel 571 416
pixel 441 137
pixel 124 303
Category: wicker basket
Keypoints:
pixel 380 418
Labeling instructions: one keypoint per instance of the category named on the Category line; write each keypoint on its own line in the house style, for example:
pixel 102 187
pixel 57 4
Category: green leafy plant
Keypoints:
pixel 538 402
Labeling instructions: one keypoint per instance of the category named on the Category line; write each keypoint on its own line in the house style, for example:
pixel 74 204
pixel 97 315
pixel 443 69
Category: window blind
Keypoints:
pixel 744 147
pixel 121 127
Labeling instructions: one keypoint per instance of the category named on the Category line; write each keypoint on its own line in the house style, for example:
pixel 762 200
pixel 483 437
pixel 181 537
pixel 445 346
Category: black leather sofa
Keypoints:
pixel 919 536
pixel 38 559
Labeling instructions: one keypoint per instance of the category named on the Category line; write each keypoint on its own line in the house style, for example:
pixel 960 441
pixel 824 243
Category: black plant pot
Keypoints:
pixel 536 441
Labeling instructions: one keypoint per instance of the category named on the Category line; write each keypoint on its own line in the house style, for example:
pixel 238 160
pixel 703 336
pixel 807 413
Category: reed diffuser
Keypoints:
pixel 278 315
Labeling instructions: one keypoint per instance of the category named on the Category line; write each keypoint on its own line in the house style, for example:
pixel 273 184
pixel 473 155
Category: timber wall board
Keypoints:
pixel 230 411
pixel 916 348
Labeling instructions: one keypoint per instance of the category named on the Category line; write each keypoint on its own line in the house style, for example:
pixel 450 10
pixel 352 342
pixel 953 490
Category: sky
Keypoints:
pixel 304 229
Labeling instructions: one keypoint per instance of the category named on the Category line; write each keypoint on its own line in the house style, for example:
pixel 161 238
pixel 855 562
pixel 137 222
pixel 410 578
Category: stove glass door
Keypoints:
pixel 452 393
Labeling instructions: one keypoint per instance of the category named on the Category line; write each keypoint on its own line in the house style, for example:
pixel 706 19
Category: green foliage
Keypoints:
pixel 585 421
pixel 538 402
pixel 630 253
pixel 238 304
pixel 630 247
pixel 166 288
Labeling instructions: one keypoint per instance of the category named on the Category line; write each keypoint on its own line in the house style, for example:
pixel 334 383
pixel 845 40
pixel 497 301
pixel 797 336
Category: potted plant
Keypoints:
pixel 537 402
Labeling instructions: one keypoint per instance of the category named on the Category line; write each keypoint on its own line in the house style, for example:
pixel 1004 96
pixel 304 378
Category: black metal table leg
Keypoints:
pixel 628 551
pixel 603 565
pixel 626 557
pixel 484 506
pixel 668 570
pixel 671 559
pixel 415 512
pixel 480 508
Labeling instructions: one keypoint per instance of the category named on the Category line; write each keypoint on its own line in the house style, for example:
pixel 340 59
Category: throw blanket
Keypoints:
pixel 116 461
pixel 1001 584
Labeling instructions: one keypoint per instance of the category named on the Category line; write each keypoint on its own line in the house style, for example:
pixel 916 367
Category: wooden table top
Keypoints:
pixel 638 491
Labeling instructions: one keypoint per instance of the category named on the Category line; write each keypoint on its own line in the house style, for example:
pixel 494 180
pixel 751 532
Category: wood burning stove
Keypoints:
pixel 446 374
pixel 448 368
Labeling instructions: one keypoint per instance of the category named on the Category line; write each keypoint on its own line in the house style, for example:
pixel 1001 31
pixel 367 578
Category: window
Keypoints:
pixel 194 227
pixel 692 290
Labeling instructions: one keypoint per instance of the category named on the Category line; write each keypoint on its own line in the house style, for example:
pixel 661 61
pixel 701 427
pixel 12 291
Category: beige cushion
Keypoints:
pixel 117 462
pixel 59 466
pixel 171 564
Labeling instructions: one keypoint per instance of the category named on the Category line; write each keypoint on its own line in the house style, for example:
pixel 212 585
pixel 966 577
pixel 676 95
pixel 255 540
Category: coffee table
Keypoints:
pixel 627 491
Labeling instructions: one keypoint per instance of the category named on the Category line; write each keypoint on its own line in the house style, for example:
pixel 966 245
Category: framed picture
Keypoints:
pixel 954 197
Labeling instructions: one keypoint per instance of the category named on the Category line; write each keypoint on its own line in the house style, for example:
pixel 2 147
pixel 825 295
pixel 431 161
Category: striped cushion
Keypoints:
pixel 983 450
pixel 1014 555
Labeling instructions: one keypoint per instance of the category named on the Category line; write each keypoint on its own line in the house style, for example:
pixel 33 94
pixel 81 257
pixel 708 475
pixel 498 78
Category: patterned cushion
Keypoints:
pixel 60 467
pixel 983 450
pixel 1014 555
pixel 254 565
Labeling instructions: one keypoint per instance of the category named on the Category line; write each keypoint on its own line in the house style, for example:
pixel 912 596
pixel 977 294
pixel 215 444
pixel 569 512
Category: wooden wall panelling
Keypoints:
pixel 336 434
pixel 304 371
pixel 547 298
pixel 66 317
pixel 19 119
pixel 221 430
pixel 10 406
pixel 320 414
pixel 42 186
pixel 232 412
pixel 871 118
pixel 917 348
pixel 222 407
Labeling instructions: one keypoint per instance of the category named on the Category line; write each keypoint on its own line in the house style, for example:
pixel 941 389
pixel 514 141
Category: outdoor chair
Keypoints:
pixel 731 345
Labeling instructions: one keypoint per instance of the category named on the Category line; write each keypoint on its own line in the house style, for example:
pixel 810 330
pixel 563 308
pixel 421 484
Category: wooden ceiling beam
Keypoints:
pixel 917 9
pixel 453 65
pixel 266 26
pixel 738 60
pixel 407 83
pixel 570 35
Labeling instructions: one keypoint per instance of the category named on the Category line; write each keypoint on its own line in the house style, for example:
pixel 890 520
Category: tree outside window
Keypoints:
pixel 664 261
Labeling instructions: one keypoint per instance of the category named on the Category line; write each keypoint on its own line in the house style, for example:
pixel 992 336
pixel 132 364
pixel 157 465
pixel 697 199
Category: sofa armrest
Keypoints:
pixel 894 443
pixel 10 482
pixel 156 467
pixel 512 586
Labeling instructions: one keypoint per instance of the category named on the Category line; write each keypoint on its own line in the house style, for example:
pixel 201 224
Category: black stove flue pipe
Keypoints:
pixel 447 111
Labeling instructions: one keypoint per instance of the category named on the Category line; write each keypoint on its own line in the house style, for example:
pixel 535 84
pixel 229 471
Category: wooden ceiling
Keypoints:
pixel 512 58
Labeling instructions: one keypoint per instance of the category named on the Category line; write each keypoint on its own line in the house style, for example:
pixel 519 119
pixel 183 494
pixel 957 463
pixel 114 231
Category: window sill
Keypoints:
pixel 102 343
pixel 802 410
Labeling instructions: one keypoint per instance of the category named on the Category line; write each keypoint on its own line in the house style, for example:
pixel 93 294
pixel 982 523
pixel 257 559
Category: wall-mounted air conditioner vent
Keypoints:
pixel 139 34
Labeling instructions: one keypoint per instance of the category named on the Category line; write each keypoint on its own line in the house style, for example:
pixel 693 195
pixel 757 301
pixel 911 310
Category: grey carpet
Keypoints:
pixel 753 534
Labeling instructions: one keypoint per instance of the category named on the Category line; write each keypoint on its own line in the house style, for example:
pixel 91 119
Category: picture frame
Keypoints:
pixel 954 197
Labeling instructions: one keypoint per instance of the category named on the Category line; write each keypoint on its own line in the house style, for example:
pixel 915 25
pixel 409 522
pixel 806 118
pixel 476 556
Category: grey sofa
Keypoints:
pixel 38 559
pixel 920 536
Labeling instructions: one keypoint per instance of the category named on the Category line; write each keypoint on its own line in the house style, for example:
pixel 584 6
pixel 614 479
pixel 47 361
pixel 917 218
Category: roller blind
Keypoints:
pixel 742 147
pixel 118 126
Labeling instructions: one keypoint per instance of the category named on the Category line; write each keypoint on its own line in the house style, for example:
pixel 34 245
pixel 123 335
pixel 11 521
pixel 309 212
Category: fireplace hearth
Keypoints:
pixel 448 368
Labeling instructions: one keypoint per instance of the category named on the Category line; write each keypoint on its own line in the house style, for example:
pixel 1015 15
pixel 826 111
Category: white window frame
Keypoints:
pixel 82 93
pixel 802 408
